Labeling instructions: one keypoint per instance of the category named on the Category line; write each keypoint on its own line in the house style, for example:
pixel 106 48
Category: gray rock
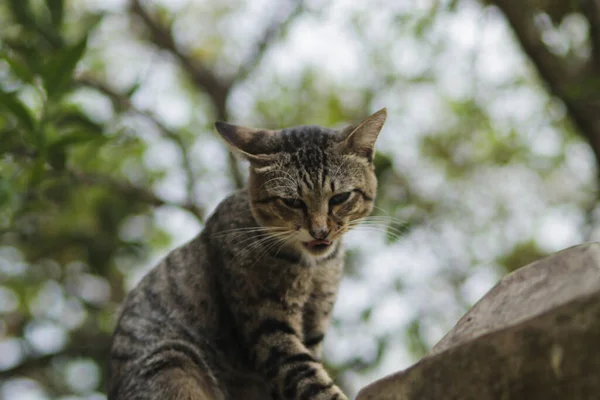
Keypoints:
pixel 535 335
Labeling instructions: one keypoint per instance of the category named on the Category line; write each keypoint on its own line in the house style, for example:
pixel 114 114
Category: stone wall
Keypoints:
pixel 535 335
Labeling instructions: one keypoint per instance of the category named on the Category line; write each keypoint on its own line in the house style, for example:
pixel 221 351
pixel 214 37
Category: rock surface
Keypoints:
pixel 535 335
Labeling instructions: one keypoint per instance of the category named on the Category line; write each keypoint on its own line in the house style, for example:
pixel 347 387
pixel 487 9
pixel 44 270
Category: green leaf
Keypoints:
pixel 17 67
pixel 57 150
pixel 21 13
pixel 11 102
pixel 416 342
pixel 77 137
pixel 133 89
pixel 29 53
pixel 76 119
pixel 365 315
pixel 91 20
pixel 57 157
pixel 58 72
pixel 37 172
pixel 56 8
pixel 5 192
pixel 452 5
pixel 383 163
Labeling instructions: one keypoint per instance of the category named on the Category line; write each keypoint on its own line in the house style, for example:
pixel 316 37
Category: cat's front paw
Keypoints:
pixel 332 393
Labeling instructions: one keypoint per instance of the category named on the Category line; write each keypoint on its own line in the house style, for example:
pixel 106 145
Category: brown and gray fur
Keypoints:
pixel 240 312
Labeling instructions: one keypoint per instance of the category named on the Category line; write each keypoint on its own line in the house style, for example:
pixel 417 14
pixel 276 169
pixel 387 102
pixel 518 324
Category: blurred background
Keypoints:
pixel 108 157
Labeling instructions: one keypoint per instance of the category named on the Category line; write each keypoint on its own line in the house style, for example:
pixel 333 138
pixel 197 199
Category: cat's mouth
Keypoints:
pixel 317 245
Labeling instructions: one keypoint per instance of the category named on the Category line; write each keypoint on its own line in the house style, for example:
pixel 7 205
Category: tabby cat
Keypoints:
pixel 240 312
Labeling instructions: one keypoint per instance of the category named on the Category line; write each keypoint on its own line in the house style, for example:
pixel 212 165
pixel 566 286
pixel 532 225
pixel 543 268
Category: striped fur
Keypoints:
pixel 241 311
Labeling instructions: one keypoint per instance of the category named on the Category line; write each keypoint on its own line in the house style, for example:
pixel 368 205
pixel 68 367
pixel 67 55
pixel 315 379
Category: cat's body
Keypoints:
pixel 186 303
pixel 241 311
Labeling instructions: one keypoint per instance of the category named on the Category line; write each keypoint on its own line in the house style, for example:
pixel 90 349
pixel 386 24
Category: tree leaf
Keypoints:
pixel 76 119
pixel 36 174
pixel 57 157
pixel 5 192
pixel 383 163
pixel 76 137
pixel 134 88
pixel 17 67
pixel 26 51
pixel 58 72
pixel 56 8
pixel 57 150
pixel 21 12
pixel 11 102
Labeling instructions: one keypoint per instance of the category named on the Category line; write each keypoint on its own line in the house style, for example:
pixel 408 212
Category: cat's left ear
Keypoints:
pixel 256 145
pixel 360 139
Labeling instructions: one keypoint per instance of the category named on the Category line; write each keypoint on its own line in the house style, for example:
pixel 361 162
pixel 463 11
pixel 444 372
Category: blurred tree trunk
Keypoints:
pixel 575 80
pixel 573 77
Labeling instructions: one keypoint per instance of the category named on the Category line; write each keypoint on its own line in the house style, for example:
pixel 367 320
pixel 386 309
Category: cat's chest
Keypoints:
pixel 301 280
pixel 293 280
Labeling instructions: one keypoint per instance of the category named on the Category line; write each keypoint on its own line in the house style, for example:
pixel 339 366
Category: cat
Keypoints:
pixel 240 312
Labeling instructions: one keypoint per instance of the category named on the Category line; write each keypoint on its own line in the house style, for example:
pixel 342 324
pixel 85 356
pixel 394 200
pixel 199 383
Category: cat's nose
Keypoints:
pixel 319 233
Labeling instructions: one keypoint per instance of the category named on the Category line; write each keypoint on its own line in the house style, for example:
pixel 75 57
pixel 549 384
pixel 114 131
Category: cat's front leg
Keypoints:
pixel 280 356
pixel 319 306
pixel 272 331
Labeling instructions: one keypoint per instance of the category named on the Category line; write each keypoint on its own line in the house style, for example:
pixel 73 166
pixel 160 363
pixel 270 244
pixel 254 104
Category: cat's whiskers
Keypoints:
pixel 381 218
pixel 379 230
pixel 266 248
pixel 255 238
pixel 382 224
pixel 390 229
pixel 284 242
pixel 395 229
pixel 248 230
pixel 288 177
pixel 252 245
pixel 380 209
pixel 397 224
pixel 244 210
pixel 285 188
pixel 293 183
pixel 263 241
pixel 385 229
pixel 338 170
pixel 283 172
pixel 271 245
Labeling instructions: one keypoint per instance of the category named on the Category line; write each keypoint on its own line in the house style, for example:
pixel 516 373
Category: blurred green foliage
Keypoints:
pixel 59 205
pixel 82 184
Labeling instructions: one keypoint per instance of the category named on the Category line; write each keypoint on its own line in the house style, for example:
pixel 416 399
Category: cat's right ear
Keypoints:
pixel 253 144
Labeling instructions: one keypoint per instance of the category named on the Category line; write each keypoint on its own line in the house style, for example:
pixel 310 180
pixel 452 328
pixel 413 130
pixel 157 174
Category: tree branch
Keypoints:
pixel 127 189
pixel 276 29
pixel 203 76
pixel 591 11
pixel 573 87
pixel 217 88
pixel 123 102
pixel 578 88
pixel 124 188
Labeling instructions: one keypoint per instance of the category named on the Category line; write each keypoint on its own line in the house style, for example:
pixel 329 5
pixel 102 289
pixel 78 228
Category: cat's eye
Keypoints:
pixel 339 198
pixel 293 203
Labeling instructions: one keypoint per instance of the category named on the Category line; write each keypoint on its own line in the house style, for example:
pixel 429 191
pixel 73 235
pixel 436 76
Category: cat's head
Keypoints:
pixel 308 183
